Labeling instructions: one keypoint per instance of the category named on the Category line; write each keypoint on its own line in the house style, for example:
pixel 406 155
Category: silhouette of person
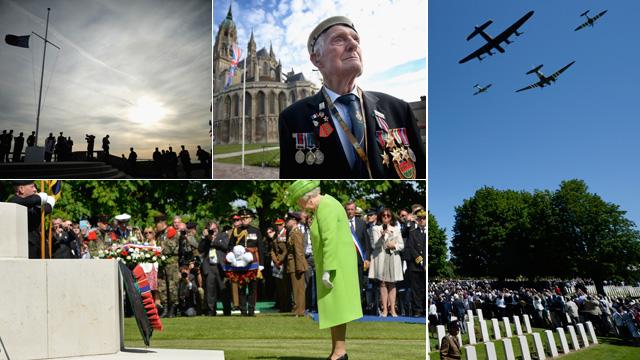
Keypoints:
pixel 3 145
pixel 133 157
pixel 49 147
pixel 90 142
pixel 61 145
pixel 204 158
pixel 8 141
pixel 31 140
pixel 69 148
pixel 185 159
pixel 17 148
pixel 172 160
pixel 105 148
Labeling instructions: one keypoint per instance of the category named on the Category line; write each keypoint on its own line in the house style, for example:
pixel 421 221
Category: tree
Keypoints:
pixel 438 266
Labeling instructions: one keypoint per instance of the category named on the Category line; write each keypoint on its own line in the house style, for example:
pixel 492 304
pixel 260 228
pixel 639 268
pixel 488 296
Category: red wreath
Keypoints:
pixel 147 299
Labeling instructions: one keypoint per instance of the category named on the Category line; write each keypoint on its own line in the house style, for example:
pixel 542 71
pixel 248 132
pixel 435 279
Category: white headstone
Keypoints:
pixel 470 316
pixel 491 351
pixel 583 335
pixel 496 328
pixel 574 337
pixel 537 345
pixel 563 340
pixel 484 331
pixel 471 352
pixel 508 349
pixel 551 343
pixel 527 323
pixel 516 322
pixel 440 333
pixel 592 332
pixel 480 316
pixel 507 327
pixel 459 339
pixel 524 347
pixel 472 333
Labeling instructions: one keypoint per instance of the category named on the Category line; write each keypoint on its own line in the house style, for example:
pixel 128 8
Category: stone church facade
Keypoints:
pixel 268 91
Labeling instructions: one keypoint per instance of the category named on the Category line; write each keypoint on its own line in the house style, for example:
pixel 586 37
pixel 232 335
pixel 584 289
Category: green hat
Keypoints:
pixel 324 26
pixel 298 189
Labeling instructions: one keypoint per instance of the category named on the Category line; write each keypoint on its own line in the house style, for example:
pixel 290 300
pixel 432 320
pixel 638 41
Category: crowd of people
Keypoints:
pixel 550 304
pixel 232 263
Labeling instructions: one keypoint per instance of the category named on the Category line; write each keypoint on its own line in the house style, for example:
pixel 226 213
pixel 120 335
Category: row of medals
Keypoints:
pixel 314 156
pixel 398 153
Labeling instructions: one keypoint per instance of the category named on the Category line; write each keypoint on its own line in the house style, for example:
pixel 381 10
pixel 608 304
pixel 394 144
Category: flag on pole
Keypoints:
pixel 15 40
pixel 236 53
pixel 55 188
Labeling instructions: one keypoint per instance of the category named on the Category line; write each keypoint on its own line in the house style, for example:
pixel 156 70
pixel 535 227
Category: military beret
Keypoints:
pixel 298 189
pixel 326 25
pixel 244 212
pixel 159 218
pixel 22 182
pixel 371 211
pixel 191 225
pixel 279 222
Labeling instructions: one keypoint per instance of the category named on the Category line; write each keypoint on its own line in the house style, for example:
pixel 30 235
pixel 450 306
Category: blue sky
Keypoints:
pixel 393 35
pixel 584 126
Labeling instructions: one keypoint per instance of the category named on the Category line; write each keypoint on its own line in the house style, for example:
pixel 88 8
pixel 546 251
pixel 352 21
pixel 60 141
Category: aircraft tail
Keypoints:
pixel 584 13
pixel 535 69
pixel 478 29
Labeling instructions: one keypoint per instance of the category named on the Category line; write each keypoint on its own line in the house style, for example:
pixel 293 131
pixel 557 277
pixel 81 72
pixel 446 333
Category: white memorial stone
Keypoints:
pixel 507 327
pixel 551 343
pixel 583 335
pixel 527 323
pixel 441 334
pixel 491 351
pixel 508 349
pixel 484 331
pixel 496 328
pixel 524 347
pixel 592 332
pixel 574 338
pixel 472 333
pixel 563 340
pixel 480 316
pixel 516 322
pixel 14 217
pixel 537 345
pixel 470 316
pixel 471 352
pixel 459 339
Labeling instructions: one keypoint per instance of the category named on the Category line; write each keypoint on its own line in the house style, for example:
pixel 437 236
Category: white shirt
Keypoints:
pixel 344 112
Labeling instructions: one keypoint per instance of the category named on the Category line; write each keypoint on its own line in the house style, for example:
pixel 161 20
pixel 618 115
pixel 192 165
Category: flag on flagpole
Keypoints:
pixel 15 40
pixel 236 53
pixel 55 188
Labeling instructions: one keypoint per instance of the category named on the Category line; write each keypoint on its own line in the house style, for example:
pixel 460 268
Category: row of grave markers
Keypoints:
pixel 539 349
pixel 484 331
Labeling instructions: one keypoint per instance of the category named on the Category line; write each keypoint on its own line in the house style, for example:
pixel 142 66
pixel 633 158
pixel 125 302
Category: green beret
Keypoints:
pixel 324 26
pixel 22 182
pixel 298 189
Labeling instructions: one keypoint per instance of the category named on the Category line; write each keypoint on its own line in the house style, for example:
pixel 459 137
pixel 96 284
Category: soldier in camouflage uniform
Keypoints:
pixel 99 238
pixel 169 274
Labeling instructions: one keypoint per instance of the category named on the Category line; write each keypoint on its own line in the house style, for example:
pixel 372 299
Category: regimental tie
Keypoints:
pixel 356 125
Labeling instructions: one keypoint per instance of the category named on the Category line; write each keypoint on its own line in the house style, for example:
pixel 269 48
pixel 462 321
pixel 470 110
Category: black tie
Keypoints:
pixel 356 125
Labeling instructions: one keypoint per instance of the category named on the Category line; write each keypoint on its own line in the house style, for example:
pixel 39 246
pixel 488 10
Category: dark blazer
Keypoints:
pixel 415 246
pixel 363 237
pixel 221 244
pixel 297 119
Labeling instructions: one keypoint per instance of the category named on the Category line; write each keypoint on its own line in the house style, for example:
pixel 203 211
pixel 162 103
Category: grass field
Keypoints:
pixel 229 148
pixel 270 158
pixel 281 336
pixel 608 348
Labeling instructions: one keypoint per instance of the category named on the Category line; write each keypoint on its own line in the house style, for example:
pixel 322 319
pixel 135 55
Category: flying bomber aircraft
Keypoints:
pixel 481 89
pixel 589 21
pixel 544 80
pixel 494 43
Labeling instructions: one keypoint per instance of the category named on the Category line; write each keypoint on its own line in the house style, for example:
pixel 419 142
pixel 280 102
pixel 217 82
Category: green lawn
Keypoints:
pixel 608 348
pixel 229 148
pixel 270 158
pixel 280 336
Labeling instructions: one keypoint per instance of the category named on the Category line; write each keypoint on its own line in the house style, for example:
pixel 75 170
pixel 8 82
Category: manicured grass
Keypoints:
pixel 270 158
pixel 229 148
pixel 280 336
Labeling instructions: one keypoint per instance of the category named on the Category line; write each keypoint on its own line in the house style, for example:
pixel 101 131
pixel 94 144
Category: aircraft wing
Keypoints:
pixel 512 29
pixel 482 50
pixel 556 74
pixel 586 23
pixel 529 87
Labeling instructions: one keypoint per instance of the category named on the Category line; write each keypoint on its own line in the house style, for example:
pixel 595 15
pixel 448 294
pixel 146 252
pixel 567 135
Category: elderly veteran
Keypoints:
pixel 334 251
pixel 343 131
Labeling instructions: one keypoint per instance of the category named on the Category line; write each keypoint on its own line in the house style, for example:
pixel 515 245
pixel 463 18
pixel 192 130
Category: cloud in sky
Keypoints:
pixel 392 32
pixel 137 70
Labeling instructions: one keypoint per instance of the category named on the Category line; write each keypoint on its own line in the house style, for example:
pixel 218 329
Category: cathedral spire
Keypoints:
pixel 229 15
pixel 252 44
pixel 271 55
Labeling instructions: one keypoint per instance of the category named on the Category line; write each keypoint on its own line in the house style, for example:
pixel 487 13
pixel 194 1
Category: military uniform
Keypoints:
pixel 279 257
pixel 296 267
pixel 34 206
pixel 416 250
pixel 169 272
pixel 251 239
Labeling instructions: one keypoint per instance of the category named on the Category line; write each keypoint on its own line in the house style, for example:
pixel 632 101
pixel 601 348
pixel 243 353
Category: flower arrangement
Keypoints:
pixel 132 254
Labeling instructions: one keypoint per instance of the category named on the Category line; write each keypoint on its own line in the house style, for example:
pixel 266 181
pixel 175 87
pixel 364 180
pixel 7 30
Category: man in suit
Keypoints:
pixel 343 131
pixel 213 248
pixel 359 229
pixel 450 347
pixel 416 250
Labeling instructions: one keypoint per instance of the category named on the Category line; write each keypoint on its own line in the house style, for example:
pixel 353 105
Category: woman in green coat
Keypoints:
pixel 335 256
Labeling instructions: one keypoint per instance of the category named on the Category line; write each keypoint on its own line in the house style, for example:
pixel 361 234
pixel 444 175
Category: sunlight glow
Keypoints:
pixel 147 111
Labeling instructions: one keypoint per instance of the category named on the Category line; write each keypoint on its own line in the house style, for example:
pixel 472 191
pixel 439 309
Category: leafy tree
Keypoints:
pixel 438 266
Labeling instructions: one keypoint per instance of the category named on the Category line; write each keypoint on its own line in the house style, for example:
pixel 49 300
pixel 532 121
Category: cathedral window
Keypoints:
pixel 272 103
pixel 261 103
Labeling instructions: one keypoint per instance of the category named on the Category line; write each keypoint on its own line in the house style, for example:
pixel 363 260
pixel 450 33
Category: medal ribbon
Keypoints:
pixel 345 128
pixel 403 135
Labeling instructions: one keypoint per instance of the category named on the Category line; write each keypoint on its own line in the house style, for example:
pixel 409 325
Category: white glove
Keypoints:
pixel 51 201
pixel 325 280
pixel 43 197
